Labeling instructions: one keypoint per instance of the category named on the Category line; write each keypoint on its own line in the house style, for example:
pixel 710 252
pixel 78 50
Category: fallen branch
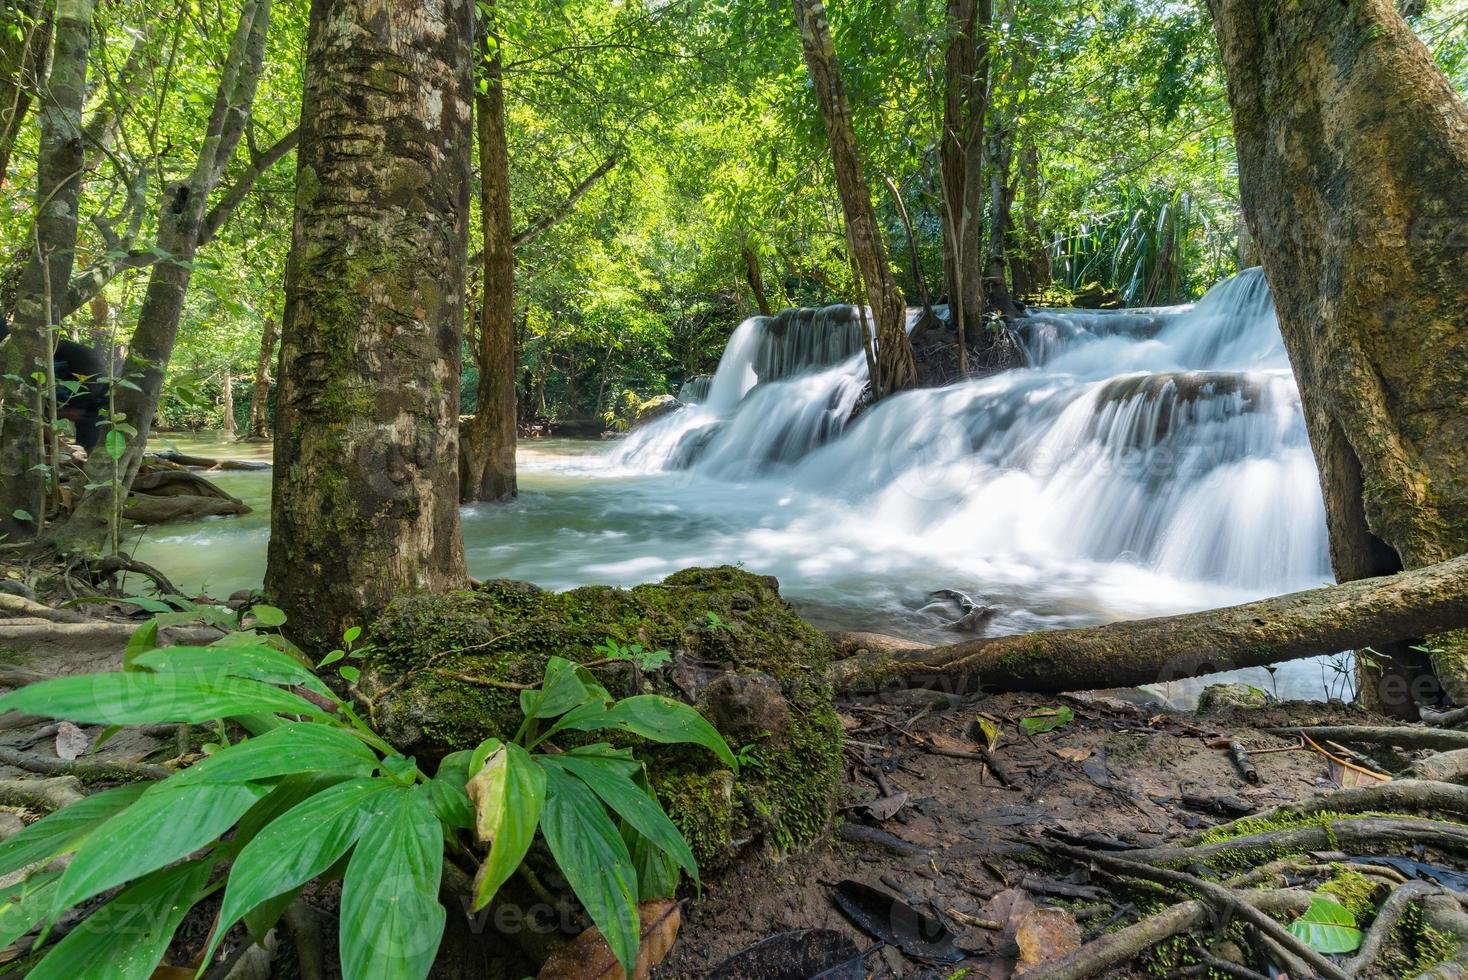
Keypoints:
pixel 41 795
pixel 1371 611
pixel 1405 736
pixel 1443 719
pixel 81 768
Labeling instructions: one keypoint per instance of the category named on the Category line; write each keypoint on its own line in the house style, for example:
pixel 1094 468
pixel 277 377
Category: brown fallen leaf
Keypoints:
pixel 588 957
pixel 71 741
pixel 884 808
pixel 1044 935
pixel 1073 754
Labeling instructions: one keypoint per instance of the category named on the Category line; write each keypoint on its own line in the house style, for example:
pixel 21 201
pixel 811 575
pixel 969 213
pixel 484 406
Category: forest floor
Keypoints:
pixel 945 842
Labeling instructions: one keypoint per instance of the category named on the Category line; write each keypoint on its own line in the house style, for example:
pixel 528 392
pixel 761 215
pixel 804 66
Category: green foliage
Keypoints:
pixel 1047 720
pixel 572 796
pixel 1327 927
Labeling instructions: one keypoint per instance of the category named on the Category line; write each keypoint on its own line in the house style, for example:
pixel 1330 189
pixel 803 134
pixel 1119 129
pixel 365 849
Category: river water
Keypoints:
pixel 1147 462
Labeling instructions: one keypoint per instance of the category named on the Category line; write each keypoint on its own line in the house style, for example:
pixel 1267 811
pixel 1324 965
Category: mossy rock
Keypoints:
pixel 753 667
pixel 1218 698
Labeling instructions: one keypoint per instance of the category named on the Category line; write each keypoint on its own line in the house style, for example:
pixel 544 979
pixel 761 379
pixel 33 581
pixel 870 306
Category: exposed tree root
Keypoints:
pixel 1387 918
pixel 1446 767
pixel 1303 624
pixel 41 795
pixel 1405 736
pixel 1360 834
pixel 1420 797
pixel 82 768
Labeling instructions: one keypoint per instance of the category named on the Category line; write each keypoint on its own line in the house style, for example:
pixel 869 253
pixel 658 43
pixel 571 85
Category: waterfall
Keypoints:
pixel 1169 438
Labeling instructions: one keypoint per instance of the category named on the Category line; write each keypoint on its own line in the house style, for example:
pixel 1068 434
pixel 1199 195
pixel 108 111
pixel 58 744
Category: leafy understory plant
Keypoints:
pixel 572 796
pixel 311 792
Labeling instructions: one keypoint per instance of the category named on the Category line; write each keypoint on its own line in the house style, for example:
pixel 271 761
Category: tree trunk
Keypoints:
pixel 227 400
pixel 22 58
pixel 1150 651
pixel 487 456
pixel 756 281
pixel 961 159
pixel 26 354
pixel 181 228
pixel 863 234
pixel 1353 166
pixel 259 427
pixel 1001 203
pixel 1029 266
pixel 367 407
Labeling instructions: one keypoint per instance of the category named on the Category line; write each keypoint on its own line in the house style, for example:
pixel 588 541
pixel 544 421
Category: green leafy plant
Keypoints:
pixel 633 653
pixel 1046 720
pixel 1327 927
pixel 310 792
pixel 572 795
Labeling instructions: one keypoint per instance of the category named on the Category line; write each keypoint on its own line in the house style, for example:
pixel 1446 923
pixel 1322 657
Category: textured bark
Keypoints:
pixel 227 402
pixel 259 425
pixel 26 353
pixel 22 57
pixel 961 158
pixel 1029 264
pixel 1149 651
pixel 756 280
pixel 181 224
pixel 487 454
pixel 1353 160
pixel 1001 204
pixel 367 404
pixel 863 235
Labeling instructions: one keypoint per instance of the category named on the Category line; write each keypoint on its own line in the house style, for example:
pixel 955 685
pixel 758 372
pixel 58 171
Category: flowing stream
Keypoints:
pixel 1146 462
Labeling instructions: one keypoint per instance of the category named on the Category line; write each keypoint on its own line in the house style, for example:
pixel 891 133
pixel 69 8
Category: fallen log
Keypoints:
pixel 1408 605
pixel 210 463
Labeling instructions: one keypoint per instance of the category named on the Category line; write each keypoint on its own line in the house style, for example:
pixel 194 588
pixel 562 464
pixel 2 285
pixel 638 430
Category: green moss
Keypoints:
pixel 440 663
pixel 1354 891
pixel 1416 947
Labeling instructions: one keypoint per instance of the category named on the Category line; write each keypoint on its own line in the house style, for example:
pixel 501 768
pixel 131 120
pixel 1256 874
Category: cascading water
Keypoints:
pixel 1146 462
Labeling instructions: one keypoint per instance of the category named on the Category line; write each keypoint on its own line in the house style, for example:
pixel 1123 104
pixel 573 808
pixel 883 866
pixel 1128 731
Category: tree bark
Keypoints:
pixel 756 280
pixel 26 354
pixel 487 454
pixel 227 401
pixel 367 405
pixel 1149 651
pixel 22 58
pixel 181 227
pixel 1353 160
pixel 863 235
pixel 961 159
pixel 1001 204
pixel 259 426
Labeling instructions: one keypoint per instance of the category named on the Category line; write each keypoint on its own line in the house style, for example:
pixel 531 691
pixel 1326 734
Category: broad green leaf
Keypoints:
pixel 661 720
pixel 144 638
pixel 561 691
pixel 255 662
pixel 167 823
pixel 116 444
pixel 593 857
pixel 301 844
pixel 145 699
pixel 451 801
pixel 508 794
pixel 1047 720
pixel 24 904
pixel 268 615
pixel 602 753
pixel 351 635
pixel 65 830
pixel 657 874
pixel 21 515
pixel 126 938
pixel 632 804
pixel 294 748
pixel 1327 927
pixel 391 921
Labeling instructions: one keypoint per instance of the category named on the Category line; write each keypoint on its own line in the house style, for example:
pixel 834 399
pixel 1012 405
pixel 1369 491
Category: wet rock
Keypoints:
pixel 655 408
pixel 746 706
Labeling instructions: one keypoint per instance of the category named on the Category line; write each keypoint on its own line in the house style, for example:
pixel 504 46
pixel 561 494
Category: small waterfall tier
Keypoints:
pixel 1171 438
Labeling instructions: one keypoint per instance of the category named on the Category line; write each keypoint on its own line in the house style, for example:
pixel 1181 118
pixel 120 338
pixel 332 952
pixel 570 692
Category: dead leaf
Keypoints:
pixel 1073 754
pixel 988 727
pixel 71 741
pixel 848 723
pixel 884 807
pixel 1347 774
pixel 1044 935
pixel 1008 908
pixel 588 957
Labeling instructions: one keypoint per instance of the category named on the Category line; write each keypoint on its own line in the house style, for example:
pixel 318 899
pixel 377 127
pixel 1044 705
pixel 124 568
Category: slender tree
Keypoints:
pixel 961 160
pixel 25 356
pixel 258 429
pixel 1353 165
pixel 487 453
pixel 895 366
pixel 366 446
pixel 23 49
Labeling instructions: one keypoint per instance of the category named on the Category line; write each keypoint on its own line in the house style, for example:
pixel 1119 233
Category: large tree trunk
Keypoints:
pixel 961 159
pixel 895 364
pixel 1150 651
pixel 22 58
pixel 259 426
pixel 1029 263
pixel 1353 166
pixel 487 455
pixel 26 355
pixel 367 405
pixel 1001 203
pixel 181 228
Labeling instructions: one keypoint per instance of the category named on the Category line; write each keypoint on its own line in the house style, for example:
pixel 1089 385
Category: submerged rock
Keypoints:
pixel 442 670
